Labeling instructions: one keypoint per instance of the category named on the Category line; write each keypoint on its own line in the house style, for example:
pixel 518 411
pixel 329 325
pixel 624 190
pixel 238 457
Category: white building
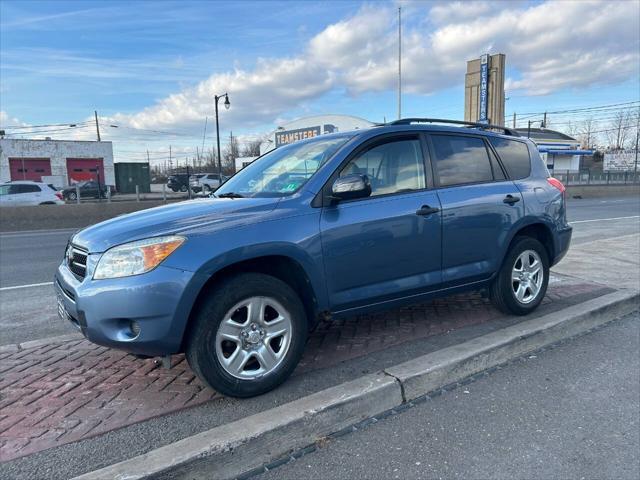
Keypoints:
pixel 559 151
pixel 60 162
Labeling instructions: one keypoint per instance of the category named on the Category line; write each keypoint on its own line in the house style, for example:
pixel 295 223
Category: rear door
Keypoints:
pixel 385 246
pixel 479 206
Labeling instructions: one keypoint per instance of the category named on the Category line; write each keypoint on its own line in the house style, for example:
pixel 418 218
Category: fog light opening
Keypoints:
pixel 135 328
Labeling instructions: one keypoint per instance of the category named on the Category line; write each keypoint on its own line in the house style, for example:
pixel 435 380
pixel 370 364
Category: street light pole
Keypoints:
pixel 227 104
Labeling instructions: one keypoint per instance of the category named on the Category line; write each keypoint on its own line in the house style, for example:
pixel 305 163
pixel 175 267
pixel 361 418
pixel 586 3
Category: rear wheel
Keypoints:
pixel 522 281
pixel 206 189
pixel 248 335
pixel 72 196
pixel 183 188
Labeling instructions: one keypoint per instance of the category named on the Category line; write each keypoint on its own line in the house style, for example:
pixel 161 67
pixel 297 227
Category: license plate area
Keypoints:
pixel 64 314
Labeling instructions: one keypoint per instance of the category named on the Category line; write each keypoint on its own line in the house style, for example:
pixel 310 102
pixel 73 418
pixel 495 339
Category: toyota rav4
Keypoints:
pixel 337 225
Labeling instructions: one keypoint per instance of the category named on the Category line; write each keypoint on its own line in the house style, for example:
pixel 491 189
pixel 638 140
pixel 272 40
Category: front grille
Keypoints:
pixel 77 261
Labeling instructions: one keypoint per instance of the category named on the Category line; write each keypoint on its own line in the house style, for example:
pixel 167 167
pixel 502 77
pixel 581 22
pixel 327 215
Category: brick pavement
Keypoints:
pixel 68 391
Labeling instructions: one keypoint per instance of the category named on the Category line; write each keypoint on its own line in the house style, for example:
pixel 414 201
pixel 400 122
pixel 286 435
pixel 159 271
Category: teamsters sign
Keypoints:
pixel 284 137
pixel 290 136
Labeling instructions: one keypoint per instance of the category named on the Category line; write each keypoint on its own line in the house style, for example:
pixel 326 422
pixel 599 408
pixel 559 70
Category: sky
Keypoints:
pixel 151 68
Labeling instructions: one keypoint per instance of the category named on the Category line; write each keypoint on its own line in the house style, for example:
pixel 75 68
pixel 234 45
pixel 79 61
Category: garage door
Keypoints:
pixel 29 168
pixel 81 169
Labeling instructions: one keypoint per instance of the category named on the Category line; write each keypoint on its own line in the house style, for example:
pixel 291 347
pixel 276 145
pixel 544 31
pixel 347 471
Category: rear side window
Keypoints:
pixel 514 156
pixel 461 160
pixel 21 188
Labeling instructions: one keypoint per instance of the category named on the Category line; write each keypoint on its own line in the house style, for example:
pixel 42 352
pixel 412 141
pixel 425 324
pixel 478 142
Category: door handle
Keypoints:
pixel 510 199
pixel 427 210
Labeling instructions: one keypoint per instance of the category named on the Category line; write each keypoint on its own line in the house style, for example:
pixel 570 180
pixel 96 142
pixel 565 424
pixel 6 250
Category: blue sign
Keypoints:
pixel 484 84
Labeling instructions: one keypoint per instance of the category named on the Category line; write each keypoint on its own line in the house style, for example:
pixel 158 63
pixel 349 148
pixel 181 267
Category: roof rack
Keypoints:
pixel 485 126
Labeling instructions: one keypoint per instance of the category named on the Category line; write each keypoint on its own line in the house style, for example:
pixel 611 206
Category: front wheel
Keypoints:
pixel 522 281
pixel 72 196
pixel 206 189
pixel 248 335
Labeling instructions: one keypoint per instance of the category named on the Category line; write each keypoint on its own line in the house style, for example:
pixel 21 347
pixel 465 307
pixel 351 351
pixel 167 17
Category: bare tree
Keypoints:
pixel 586 133
pixel 231 152
pixel 251 148
pixel 619 131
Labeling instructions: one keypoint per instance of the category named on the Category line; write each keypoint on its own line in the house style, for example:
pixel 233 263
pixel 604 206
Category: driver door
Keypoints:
pixel 386 246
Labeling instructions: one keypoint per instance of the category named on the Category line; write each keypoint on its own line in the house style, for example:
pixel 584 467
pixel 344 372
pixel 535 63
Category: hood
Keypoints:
pixel 171 219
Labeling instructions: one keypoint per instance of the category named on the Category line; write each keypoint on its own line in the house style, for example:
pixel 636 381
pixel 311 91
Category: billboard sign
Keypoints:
pixel 484 86
pixel 283 137
pixel 619 161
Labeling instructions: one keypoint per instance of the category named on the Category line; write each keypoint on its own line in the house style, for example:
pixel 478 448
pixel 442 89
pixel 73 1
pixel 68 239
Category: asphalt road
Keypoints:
pixel 28 259
pixel 569 412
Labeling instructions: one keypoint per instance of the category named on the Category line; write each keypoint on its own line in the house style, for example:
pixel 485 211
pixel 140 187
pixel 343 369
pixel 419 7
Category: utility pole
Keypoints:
pixel 514 119
pixel 148 159
pixel 170 163
pixel 95 112
pixel 399 63
pixel 544 121
pixel 635 168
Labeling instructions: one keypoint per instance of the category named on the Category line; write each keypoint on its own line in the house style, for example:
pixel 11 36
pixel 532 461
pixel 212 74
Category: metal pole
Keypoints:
pixel 108 194
pixel 399 63
pixel 95 112
pixel 218 138
pixel 188 179
pixel 514 119
pixel 529 129
pixel 77 194
pixel 164 192
pixel 137 193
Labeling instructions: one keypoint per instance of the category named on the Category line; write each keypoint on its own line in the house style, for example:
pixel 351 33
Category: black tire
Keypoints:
pixel 206 189
pixel 72 196
pixel 183 188
pixel 200 348
pixel 174 189
pixel 501 291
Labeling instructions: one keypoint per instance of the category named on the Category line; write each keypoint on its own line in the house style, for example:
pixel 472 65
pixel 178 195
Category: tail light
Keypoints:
pixel 554 182
pixel 59 195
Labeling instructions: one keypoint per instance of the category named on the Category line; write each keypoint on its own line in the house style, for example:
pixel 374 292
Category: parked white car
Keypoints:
pixel 207 182
pixel 25 193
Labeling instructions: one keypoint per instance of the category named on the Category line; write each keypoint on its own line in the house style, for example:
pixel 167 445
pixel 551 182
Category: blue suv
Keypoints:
pixel 337 225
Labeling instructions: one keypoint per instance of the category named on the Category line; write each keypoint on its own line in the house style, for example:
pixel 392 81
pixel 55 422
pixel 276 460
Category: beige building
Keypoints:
pixel 487 99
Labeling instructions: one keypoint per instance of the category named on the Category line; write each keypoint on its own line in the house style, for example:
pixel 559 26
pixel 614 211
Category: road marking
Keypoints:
pixel 16 287
pixel 604 219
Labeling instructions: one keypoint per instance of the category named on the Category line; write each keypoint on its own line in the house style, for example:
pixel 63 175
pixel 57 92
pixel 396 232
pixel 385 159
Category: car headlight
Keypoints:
pixel 136 257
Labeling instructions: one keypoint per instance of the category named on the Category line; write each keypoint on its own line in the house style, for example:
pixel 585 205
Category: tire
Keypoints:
pixel 72 196
pixel 514 293
pixel 206 189
pixel 174 189
pixel 183 188
pixel 225 310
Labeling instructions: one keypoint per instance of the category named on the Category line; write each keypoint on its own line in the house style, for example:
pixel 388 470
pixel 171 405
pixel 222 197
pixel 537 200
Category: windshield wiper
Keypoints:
pixel 230 195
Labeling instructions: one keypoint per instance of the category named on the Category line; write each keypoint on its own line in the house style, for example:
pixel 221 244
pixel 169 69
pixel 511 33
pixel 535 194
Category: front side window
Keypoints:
pixel 393 167
pixel 283 171
pixel 461 160
pixel 514 156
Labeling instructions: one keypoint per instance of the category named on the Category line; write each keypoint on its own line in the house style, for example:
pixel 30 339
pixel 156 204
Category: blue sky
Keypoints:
pixel 156 65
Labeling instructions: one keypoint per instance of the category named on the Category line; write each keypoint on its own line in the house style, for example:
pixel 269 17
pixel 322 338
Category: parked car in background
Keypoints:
pixel 178 182
pixel 88 189
pixel 337 225
pixel 194 182
pixel 25 192
pixel 207 182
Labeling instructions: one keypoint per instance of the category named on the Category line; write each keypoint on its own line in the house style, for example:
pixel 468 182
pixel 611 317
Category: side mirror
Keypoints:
pixel 350 187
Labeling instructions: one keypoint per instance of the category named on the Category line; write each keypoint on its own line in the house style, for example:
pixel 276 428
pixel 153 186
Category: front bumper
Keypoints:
pixel 110 312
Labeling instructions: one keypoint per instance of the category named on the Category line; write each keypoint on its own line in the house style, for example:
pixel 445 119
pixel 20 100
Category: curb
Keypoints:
pixel 41 342
pixel 230 450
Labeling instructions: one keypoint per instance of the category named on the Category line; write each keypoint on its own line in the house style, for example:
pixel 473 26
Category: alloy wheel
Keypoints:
pixel 527 276
pixel 253 338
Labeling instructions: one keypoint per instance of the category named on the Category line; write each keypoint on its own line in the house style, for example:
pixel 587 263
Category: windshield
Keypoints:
pixel 284 170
